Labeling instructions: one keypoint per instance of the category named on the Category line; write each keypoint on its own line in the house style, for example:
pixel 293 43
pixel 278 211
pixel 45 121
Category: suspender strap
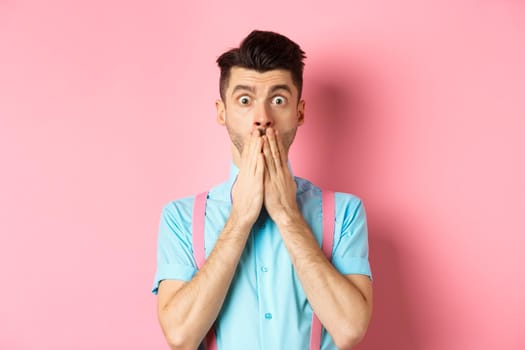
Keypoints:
pixel 328 223
pixel 199 252
pixel 328 241
pixel 211 339
pixel 199 216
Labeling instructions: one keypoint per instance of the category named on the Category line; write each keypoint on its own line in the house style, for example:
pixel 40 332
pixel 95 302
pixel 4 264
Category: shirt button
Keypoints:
pixel 268 316
pixel 264 269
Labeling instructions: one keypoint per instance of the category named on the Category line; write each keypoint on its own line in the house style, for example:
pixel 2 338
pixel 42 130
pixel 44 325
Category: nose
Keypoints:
pixel 262 117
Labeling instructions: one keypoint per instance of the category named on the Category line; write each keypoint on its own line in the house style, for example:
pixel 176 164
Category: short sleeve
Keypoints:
pixel 350 252
pixel 174 246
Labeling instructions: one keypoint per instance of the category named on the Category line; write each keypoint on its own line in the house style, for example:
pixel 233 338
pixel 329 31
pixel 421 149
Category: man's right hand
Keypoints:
pixel 187 310
pixel 248 190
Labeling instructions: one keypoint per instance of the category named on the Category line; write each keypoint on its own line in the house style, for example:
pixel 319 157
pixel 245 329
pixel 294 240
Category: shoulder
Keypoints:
pixel 348 201
pixel 178 211
pixel 183 207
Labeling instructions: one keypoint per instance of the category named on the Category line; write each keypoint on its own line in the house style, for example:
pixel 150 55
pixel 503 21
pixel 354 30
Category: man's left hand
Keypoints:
pixel 279 185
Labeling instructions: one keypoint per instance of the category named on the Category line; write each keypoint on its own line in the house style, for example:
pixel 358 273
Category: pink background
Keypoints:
pixel 107 113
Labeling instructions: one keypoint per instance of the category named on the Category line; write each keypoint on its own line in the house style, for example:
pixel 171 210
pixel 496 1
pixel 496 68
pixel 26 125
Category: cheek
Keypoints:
pixel 239 118
pixel 286 118
pixel 237 115
pixel 237 125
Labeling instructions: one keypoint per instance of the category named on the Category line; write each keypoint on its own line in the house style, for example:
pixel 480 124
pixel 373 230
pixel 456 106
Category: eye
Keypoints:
pixel 244 100
pixel 279 100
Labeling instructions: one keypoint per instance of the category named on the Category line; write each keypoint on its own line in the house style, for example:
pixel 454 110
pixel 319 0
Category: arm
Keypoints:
pixel 342 303
pixel 187 310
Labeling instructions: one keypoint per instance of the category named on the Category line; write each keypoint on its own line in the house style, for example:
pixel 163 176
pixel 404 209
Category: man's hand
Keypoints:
pixel 248 190
pixel 279 185
pixel 187 310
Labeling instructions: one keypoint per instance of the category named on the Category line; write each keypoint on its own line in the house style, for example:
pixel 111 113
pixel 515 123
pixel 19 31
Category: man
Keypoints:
pixel 265 273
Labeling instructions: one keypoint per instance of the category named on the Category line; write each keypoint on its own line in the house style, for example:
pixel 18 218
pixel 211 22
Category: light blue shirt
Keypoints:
pixel 266 307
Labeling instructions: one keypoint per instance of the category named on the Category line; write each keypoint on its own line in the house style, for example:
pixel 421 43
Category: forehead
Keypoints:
pixel 260 81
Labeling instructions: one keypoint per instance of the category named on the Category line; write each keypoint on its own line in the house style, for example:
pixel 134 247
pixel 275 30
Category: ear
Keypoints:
pixel 300 112
pixel 221 112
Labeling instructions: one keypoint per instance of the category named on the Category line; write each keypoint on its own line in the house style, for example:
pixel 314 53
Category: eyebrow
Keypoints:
pixel 243 87
pixel 281 87
pixel 252 89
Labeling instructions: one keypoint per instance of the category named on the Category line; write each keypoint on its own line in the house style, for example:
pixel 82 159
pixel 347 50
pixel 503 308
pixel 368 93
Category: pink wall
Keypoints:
pixel 107 113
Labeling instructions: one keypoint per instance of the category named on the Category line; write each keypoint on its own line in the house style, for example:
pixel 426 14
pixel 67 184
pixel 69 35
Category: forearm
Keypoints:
pixel 189 313
pixel 341 307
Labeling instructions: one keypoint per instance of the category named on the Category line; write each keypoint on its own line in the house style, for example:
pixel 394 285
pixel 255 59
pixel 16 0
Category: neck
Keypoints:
pixel 236 157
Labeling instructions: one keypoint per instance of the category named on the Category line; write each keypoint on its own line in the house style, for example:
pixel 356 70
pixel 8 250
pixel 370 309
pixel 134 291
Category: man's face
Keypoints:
pixel 256 100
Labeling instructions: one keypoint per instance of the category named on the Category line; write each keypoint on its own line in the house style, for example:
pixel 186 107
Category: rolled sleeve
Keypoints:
pixel 172 272
pixel 174 246
pixel 350 253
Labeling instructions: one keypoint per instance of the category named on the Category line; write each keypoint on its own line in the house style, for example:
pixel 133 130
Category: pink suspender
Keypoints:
pixel 199 252
pixel 199 216
pixel 328 241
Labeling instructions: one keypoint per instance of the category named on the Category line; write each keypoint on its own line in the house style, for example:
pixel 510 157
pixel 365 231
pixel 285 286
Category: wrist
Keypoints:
pixel 240 221
pixel 287 218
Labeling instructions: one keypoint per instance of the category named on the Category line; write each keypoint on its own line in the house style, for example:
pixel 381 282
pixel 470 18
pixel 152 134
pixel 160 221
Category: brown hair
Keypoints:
pixel 263 51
